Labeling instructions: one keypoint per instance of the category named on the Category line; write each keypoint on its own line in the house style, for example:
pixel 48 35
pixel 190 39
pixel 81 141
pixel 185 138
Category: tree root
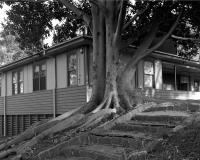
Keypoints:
pixel 128 116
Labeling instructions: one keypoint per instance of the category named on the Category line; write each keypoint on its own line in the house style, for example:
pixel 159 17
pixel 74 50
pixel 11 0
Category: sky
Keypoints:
pixel 3 15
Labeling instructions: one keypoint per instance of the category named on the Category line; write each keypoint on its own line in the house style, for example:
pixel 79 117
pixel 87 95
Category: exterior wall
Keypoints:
pixel 158 74
pixel 61 61
pixel 50 73
pixel 30 78
pixel 140 74
pixel 81 68
pixel 9 83
pixel 1 105
pixel 39 102
pixel 3 85
pixel 70 98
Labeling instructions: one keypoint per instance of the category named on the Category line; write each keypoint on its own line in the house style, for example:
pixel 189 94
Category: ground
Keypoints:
pixel 159 131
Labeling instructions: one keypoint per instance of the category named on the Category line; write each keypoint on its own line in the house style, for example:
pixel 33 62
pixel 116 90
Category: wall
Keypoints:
pixel 61 61
pixel 38 102
pixel 9 83
pixel 70 98
pixel 50 73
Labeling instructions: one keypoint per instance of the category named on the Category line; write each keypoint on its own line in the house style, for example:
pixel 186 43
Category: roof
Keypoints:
pixel 52 51
pixel 87 40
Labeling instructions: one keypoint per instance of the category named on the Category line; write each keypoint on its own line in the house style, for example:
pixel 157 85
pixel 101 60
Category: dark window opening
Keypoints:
pixel 39 76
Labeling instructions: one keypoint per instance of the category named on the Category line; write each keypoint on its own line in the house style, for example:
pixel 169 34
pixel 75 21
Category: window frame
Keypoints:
pixel 19 81
pixel 69 70
pixel 152 75
pixel 39 76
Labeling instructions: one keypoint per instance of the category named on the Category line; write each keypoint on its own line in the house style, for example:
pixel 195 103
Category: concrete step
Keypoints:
pixel 170 117
pixel 157 129
pixel 95 152
pixel 126 139
pixel 70 158
pixel 189 107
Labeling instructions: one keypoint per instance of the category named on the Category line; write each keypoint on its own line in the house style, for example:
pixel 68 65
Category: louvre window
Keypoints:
pixel 72 69
pixel 39 76
pixel 17 82
pixel 148 74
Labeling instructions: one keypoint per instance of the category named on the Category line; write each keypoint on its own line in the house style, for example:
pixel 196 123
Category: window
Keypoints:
pixel 148 74
pixel 196 85
pixel 39 76
pixel 0 84
pixel 17 82
pixel 183 82
pixel 72 69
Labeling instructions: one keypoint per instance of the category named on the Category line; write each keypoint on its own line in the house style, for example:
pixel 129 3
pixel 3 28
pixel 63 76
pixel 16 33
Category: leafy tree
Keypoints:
pixel 9 49
pixel 115 24
pixel 31 22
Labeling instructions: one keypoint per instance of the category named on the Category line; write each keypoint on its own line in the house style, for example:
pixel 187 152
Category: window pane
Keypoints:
pixel 43 67
pixel 42 83
pixel 148 81
pixel 36 68
pixel 72 62
pixel 14 77
pixel 73 78
pixel 21 76
pixel 21 87
pixel 148 68
pixel 35 84
pixel 15 88
pixel 43 73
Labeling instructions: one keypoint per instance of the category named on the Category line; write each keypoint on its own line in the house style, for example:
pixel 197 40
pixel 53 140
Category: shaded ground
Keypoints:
pixel 184 145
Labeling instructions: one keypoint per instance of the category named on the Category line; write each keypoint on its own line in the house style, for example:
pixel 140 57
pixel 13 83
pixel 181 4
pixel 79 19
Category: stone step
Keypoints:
pixel 126 139
pixel 151 128
pixel 70 158
pixel 176 106
pixel 170 117
pixel 95 152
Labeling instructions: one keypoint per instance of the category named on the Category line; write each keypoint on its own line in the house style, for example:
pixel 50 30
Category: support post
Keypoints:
pixel 175 78
pixel 4 105
pixel 55 86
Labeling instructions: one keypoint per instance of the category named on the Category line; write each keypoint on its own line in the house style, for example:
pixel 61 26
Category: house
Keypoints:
pixel 58 79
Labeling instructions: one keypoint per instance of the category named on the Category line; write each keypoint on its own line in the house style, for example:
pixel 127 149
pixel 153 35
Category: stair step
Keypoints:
pixel 70 158
pixel 171 117
pixel 133 140
pixel 176 106
pixel 156 129
pixel 96 152
pixel 148 123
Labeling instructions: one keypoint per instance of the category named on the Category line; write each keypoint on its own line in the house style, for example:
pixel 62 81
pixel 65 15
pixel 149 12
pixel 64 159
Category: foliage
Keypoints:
pixel 31 23
pixel 9 49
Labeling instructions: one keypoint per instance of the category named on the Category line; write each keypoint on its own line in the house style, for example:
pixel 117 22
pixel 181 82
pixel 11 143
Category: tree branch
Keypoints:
pixel 121 18
pixel 77 11
pixel 134 17
pixel 100 5
pixel 184 38
pixel 164 37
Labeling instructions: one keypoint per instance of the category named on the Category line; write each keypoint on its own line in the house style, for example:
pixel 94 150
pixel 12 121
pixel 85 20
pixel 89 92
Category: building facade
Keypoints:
pixel 58 79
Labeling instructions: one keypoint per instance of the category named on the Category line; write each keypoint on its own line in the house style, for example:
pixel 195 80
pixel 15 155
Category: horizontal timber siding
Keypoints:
pixel 1 105
pixel 70 98
pixel 39 102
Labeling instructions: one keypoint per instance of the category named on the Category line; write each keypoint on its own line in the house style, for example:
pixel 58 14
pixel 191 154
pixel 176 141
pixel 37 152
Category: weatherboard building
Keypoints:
pixel 58 79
